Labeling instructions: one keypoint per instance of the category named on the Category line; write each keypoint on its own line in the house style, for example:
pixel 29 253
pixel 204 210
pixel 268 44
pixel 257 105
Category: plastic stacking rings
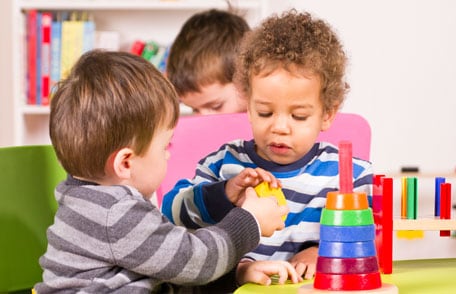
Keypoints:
pixel 346 201
pixel 346 249
pixel 336 282
pixel 362 265
pixel 360 217
pixel 347 233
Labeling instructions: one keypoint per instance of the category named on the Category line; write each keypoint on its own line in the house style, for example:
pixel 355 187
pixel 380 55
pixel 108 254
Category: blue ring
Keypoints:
pixel 347 249
pixel 347 233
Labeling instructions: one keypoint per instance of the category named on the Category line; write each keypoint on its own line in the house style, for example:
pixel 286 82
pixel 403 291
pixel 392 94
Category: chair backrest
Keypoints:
pixel 28 176
pixel 197 136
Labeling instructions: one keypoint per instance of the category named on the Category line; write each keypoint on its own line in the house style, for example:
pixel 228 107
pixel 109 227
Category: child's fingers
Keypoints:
pixel 310 271
pixel 291 273
pixel 266 176
pixel 249 177
pixel 304 269
pixel 300 268
pixel 260 278
pixel 281 271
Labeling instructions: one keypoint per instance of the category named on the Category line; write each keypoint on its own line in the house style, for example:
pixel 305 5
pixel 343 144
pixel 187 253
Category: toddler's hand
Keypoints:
pixel 248 177
pixel 260 272
pixel 305 262
pixel 266 211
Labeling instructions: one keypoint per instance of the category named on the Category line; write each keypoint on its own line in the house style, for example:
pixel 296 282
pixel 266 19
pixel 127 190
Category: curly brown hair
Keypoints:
pixel 296 42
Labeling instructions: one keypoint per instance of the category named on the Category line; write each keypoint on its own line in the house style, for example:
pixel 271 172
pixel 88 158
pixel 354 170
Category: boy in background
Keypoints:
pixel 291 71
pixel 200 64
pixel 110 124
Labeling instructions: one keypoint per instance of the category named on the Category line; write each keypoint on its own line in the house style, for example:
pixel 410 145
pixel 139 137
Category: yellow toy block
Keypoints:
pixel 264 190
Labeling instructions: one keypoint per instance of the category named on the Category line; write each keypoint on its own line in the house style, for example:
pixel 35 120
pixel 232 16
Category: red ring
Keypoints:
pixel 335 282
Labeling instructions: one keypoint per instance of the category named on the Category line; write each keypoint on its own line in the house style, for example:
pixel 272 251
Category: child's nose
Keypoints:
pixel 280 124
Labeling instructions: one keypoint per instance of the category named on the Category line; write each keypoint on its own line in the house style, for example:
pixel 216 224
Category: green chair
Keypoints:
pixel 28 176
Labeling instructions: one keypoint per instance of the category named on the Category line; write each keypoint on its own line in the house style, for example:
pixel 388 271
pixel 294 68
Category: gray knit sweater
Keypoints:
pixel 109 239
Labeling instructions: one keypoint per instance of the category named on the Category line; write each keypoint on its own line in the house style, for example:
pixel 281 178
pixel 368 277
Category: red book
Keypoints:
pixel 137 47
pixel 46 20
pixel 31 56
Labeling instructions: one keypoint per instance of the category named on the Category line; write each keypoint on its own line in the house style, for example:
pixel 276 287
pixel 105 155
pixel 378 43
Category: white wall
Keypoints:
pixel 402 75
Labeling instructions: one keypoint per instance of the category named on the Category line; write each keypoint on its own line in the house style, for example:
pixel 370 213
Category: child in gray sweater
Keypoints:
pixel 110 124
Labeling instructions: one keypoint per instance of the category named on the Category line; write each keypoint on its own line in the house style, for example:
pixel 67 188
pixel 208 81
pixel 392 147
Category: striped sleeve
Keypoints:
pixel 202 201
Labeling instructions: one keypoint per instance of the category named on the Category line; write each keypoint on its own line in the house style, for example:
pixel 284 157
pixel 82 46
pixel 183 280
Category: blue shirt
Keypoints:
pixel 202 201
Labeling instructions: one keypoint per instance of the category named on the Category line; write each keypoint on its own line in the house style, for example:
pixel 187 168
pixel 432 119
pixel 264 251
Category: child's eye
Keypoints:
pixel 217 106
pixel 300 117
pixel 264 114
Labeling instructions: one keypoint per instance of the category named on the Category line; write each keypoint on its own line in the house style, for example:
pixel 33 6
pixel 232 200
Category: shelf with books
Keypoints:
pixel 124 21
pixel 138 4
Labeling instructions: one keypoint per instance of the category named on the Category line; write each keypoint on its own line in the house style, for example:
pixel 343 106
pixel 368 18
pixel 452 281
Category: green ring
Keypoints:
pixel 358 217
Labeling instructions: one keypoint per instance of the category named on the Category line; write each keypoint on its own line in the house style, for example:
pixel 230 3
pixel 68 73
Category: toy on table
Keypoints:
pixel 409 226
pixel 409 207
pixel 347 259
pixel 443 202
pixel 264 190
pixel 382 207
pixel 385 224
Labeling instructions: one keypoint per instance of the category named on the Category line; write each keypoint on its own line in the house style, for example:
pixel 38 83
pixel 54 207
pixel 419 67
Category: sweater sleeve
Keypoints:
pixel 145 242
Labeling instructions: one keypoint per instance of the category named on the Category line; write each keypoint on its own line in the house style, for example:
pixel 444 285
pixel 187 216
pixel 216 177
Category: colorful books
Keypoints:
pixel 88 39
pixel 72 43
pixel 137 47
pixel 38 58
pixel 56 41
pixel 46 20
pixel 153 52
pixel 31 56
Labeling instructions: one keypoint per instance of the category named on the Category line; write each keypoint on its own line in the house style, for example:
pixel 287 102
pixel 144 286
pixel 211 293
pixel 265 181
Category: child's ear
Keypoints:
pixel 328 118
pixel 121 163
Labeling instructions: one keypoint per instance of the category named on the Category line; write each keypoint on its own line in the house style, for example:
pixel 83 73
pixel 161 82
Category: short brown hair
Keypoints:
pixel 294 41
pixel 204 51
pixel 109 101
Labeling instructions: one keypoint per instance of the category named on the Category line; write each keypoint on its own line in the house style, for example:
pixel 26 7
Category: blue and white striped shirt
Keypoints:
pixel 202 201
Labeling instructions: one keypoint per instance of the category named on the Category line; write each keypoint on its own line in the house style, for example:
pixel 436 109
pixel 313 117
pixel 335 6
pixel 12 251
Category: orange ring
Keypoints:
pixel 346 201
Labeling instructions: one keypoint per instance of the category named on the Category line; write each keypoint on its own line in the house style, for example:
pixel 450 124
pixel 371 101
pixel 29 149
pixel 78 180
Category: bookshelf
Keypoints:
pixel 157 20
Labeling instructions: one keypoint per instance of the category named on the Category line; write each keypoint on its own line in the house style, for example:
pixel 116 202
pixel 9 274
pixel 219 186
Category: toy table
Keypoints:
pixel 410 276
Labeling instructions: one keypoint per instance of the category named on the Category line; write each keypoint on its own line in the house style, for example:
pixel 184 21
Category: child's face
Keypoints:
pixel 286 115
pixel 148 171
pixel 215 98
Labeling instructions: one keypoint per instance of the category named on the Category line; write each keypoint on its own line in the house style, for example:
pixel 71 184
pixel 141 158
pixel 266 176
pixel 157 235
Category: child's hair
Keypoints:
pixel 298 43
pixel 204 51
pixel 109 101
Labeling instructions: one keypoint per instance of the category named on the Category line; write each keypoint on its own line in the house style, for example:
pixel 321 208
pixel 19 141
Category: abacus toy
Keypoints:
pixel 408 220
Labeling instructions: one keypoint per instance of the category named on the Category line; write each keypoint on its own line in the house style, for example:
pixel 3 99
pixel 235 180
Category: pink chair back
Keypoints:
pixel 197 136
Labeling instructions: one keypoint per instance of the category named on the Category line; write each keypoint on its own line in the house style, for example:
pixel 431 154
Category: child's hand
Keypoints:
pixel 305 262
pixel 260 272
pixel 266 210
pixel 249 177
